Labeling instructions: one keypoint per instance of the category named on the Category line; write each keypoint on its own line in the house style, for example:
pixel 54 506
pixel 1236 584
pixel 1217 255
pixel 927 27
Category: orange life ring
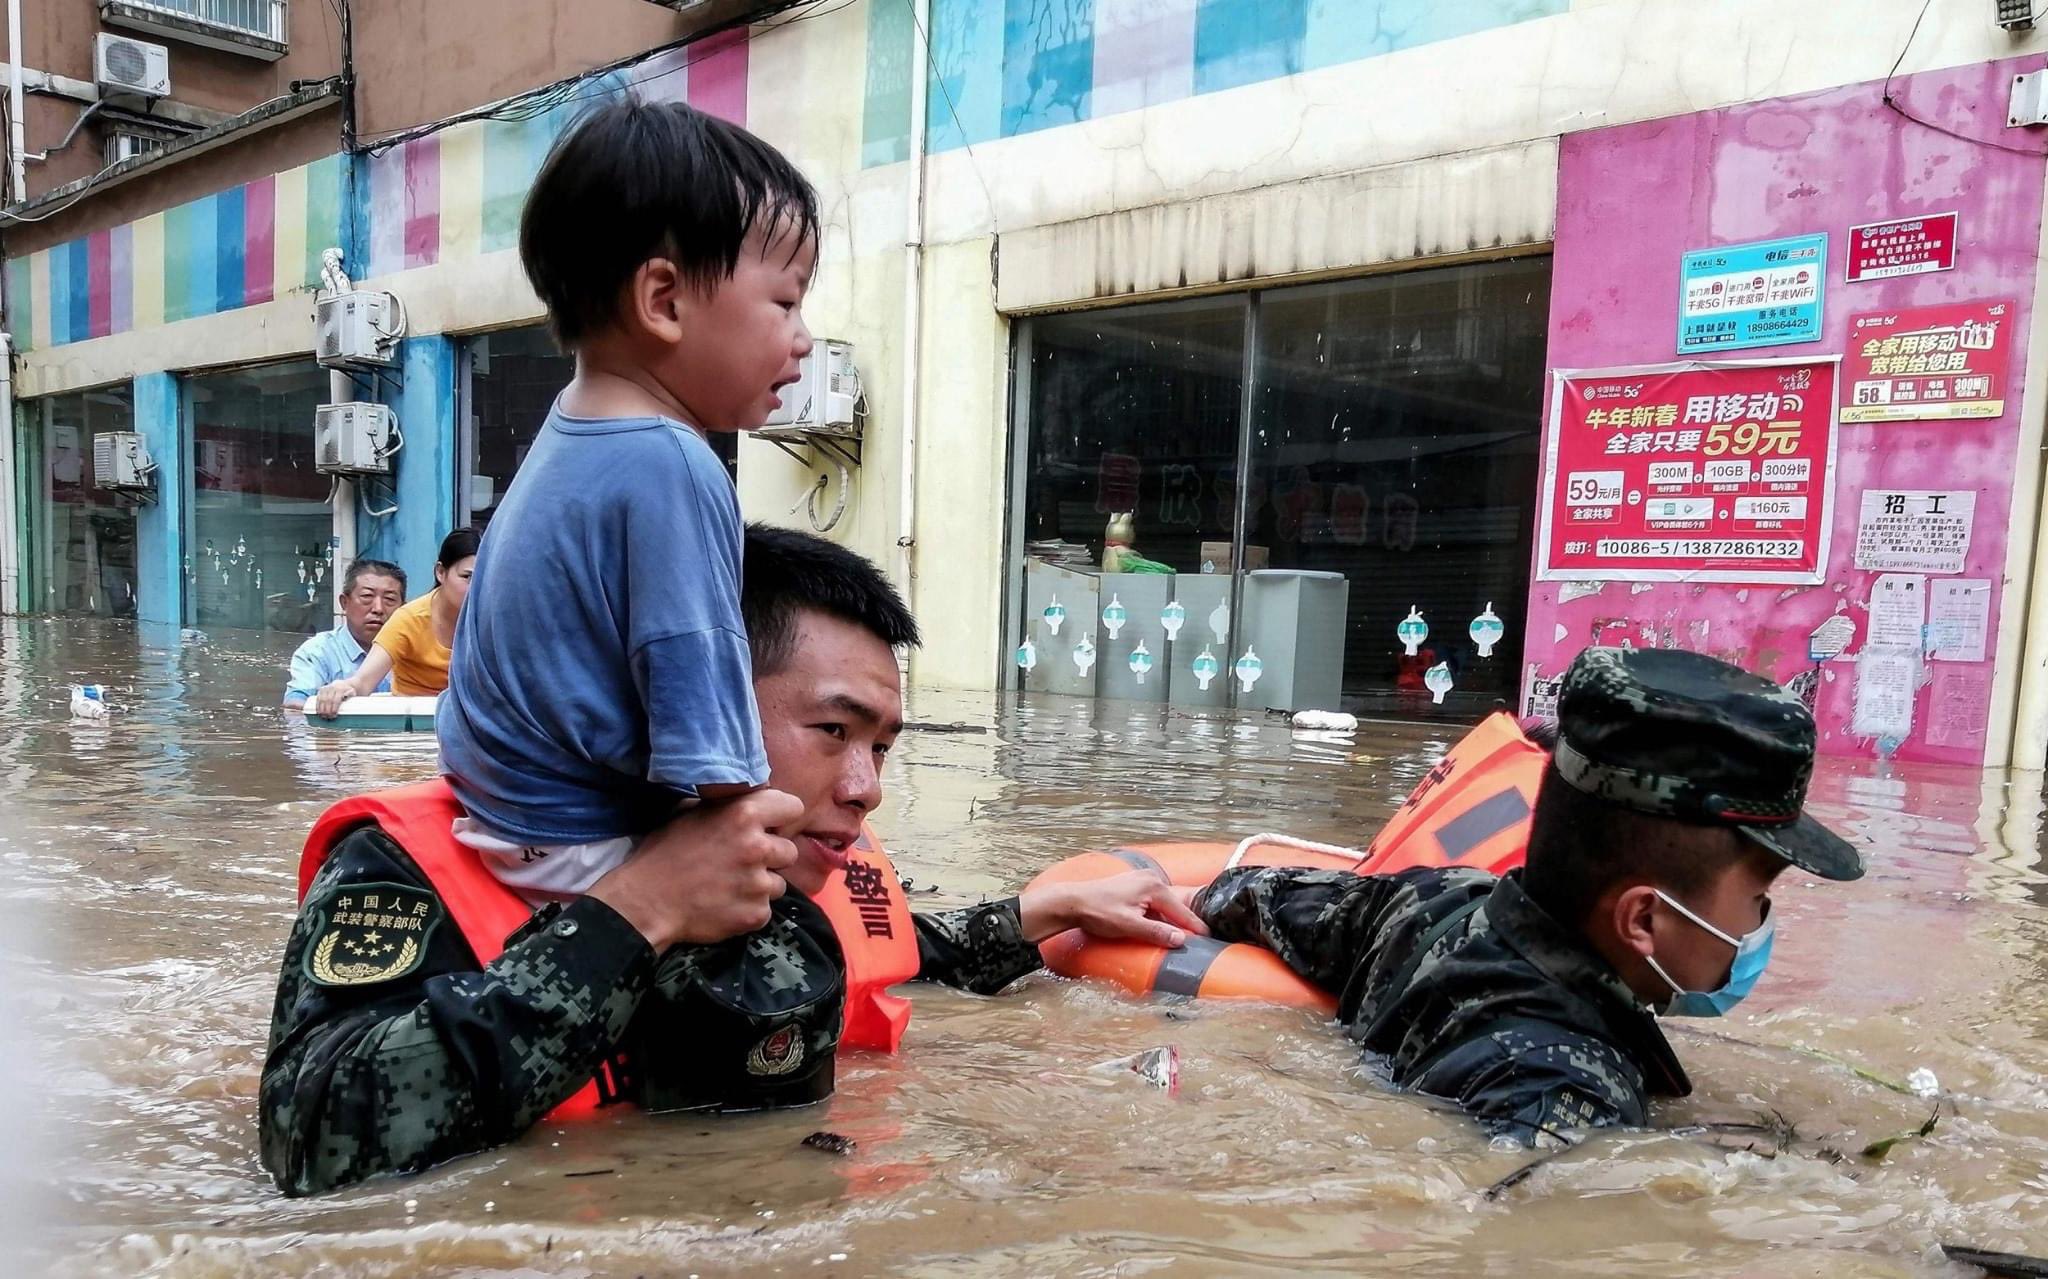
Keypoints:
pixel 1471 809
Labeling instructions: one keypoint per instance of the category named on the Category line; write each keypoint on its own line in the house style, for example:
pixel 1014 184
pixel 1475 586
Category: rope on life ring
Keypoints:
pixel 1288 841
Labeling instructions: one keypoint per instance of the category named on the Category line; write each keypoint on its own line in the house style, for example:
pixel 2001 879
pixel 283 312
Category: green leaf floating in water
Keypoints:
pixel 1877 1150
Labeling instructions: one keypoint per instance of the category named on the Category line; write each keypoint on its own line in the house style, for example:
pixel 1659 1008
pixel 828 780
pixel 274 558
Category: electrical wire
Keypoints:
pixel 973 161
pixel 90 184
pixel 525 106
pixel 1897 108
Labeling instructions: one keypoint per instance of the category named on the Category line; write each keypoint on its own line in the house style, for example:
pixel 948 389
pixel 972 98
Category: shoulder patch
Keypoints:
pixel 369 933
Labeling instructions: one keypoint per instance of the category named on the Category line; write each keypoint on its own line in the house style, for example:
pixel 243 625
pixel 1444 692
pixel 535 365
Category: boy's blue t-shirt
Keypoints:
pixel 600 670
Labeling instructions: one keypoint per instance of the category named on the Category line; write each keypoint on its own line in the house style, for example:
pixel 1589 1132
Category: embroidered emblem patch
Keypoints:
pixel 778 1054
pixel 369 933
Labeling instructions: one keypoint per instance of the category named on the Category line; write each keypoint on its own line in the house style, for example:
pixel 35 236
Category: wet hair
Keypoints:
pixel 635 180
pixel 787 572
pixel 1580 846
pixel 457 547
pixel 359 569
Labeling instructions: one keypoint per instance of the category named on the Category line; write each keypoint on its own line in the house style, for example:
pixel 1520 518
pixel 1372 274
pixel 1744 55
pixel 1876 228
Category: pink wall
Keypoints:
pixel 1633 199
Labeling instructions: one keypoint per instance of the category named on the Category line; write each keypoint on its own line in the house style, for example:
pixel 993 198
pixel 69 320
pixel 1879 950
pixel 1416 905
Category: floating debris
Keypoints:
pixel 831 1143
pixel 1877 1150
pixel 2004 1265
pixel 1159 1067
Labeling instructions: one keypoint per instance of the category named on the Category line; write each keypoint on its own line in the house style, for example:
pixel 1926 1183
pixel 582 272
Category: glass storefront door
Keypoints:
pixel 1129 494
pixel 1394 443
pixel 80 548
pixel 257 557
pixel 1380 436
pixel 513 378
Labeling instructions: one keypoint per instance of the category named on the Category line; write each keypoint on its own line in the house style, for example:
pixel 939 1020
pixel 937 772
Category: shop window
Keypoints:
pixel 514 377
pixel 1129 489
pixel 1394 442
pixel 257 557
pixel 80 548
pixel 1386 452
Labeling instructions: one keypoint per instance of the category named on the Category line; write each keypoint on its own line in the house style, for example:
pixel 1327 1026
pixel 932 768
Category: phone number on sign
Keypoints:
pixel 1698 548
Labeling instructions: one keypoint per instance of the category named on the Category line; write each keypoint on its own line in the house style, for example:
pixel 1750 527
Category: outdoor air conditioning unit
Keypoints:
pixel 824 400
pixel 355 438
pixel 120 461
pixel 129 70
pixel 126 146
pixel 357 329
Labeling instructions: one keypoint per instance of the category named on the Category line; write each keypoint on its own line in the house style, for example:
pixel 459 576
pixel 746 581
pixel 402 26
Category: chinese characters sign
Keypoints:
pixel 1928 363
pixel 1690 472
pixel 1910 246
pixel 1743 295
pixel 1915 529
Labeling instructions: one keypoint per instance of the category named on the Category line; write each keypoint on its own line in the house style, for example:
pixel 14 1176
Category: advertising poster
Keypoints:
pixel 1906 246
pixel 1928 363
pixel 1915 530
pixel 1744 295
pixel 1690 473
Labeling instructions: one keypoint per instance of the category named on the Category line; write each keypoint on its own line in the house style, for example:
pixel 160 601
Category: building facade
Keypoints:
pixel 1374 353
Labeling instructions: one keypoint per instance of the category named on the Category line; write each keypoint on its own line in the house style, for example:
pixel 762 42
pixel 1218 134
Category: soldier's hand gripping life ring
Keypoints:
pixel 1471 809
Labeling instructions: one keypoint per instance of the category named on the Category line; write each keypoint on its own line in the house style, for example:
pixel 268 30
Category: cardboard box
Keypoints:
pixel 1218 554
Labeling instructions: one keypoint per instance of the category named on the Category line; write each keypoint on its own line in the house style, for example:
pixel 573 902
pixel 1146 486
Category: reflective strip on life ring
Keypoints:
pixel 1472 809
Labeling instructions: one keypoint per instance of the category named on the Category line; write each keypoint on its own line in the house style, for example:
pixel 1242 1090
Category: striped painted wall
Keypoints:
pixel 446 196
pixel 236 247
pixel 999 68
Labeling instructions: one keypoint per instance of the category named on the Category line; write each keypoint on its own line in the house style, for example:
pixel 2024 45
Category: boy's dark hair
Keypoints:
pixel 457 547
pixel 359 569
pixel 786 572
pixel 637 180
pixel 1580 846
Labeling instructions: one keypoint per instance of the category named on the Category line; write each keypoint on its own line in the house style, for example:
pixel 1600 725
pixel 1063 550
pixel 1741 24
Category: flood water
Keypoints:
pixel 150 872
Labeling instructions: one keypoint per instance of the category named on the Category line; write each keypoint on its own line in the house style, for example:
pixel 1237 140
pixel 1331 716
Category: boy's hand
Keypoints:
pixel 1137 904
pixel 709 874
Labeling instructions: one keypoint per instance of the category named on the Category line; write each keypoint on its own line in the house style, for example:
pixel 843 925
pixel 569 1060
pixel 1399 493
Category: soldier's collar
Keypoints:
pixel 1573 965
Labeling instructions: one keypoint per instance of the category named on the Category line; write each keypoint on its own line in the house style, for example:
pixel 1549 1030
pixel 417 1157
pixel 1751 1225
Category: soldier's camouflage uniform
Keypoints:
pixel 1502 1009
pixel 1507 1013
pixel 446 1057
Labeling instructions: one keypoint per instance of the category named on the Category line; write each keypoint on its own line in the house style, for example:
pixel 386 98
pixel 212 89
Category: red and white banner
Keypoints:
pixel 1928 363
pixel 1690 473
pixel 1905 246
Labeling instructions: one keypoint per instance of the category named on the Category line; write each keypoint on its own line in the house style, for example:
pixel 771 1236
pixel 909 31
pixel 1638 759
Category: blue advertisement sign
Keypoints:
pixel 1745 295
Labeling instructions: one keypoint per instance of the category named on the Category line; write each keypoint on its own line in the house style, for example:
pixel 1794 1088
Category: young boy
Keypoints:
pixel 1673 800
pixel 600 678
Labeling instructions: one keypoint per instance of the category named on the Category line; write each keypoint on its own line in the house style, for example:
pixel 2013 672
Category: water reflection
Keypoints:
pixel 157 852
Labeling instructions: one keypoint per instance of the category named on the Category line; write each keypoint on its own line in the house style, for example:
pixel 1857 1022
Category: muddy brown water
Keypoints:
pixel 150 874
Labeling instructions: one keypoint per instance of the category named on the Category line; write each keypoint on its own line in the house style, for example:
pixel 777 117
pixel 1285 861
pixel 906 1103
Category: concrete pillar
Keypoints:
pixel 424 470
pixel 160 525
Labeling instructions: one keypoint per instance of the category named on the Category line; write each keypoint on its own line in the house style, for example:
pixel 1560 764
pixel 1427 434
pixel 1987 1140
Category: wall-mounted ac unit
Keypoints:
pixel 128 70
pixel 355 438
pixel 124 145
pixel 824 398
pixel 120 461
pixel 357 329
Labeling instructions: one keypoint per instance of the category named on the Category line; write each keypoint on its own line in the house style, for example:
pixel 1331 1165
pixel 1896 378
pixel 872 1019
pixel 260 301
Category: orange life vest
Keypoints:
pixel 864 902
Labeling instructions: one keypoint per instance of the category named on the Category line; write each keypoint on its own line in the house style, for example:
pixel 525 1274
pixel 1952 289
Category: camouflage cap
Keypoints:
pixel 1685 735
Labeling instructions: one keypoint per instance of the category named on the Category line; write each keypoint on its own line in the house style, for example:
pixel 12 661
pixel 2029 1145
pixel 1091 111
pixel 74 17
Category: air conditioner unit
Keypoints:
pixel 357 329
pixel 126 146
pixel 355 438
pixel 824 400
pixel 120 461
pixel 130 70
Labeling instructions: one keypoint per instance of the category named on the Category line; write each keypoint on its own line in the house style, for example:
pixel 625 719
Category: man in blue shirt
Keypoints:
pixel 371 591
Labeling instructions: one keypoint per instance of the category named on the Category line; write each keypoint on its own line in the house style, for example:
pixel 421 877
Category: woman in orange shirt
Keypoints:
pixel 413 645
